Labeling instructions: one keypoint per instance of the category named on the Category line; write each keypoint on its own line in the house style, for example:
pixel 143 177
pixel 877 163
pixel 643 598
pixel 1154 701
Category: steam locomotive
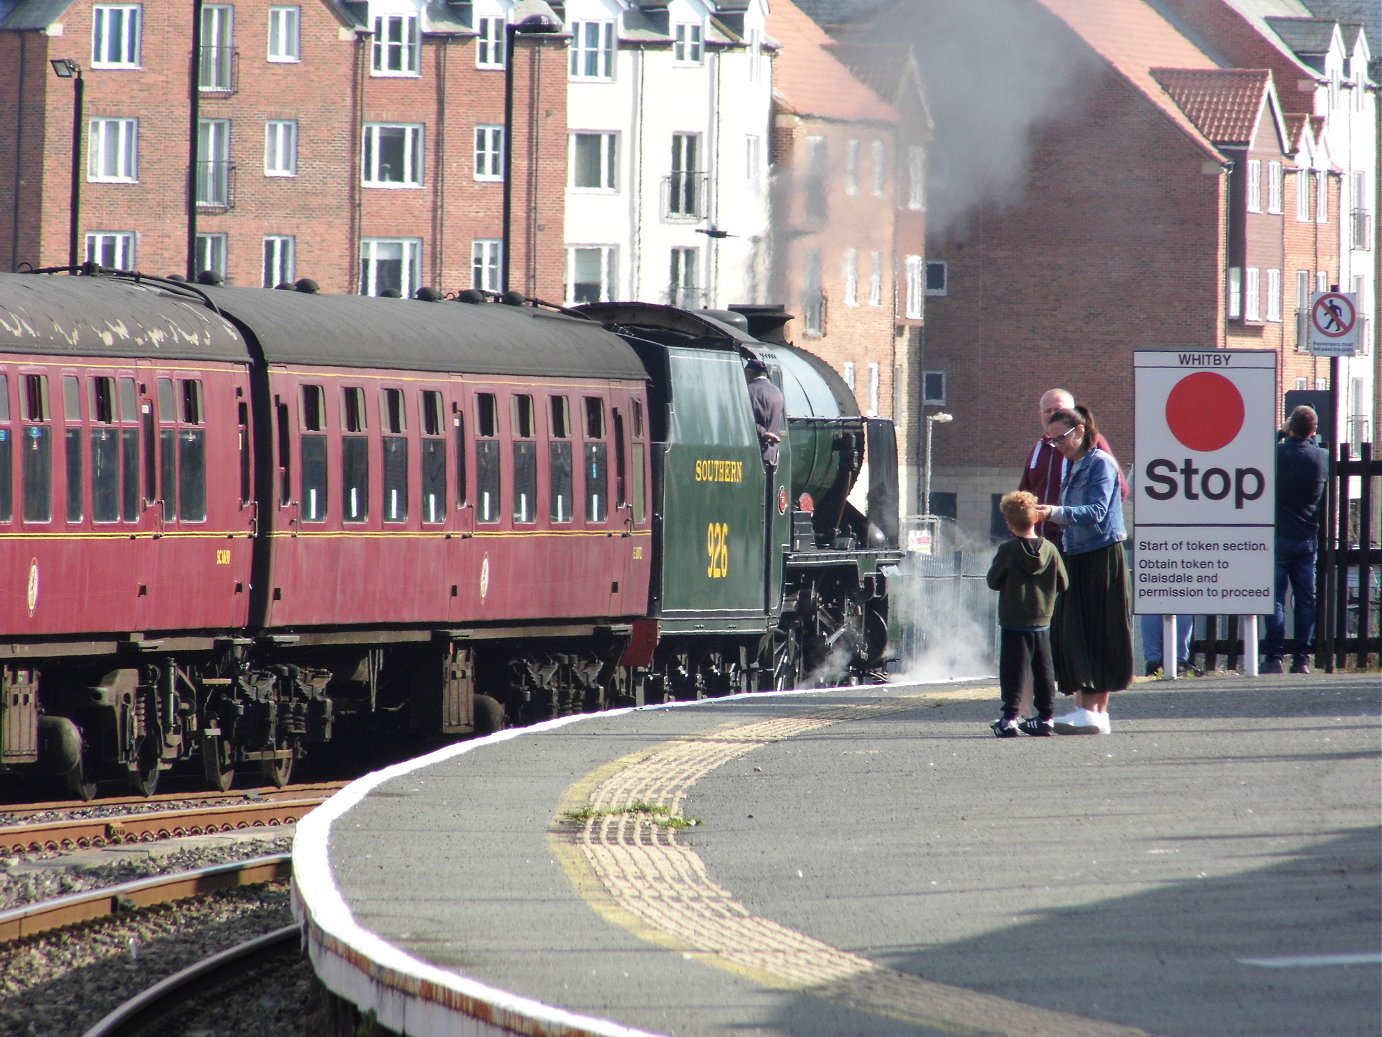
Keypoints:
pixel 239 523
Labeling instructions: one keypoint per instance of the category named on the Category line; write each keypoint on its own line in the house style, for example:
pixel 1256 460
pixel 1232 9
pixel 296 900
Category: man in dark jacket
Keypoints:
pixel 769 409
pixel 1300 475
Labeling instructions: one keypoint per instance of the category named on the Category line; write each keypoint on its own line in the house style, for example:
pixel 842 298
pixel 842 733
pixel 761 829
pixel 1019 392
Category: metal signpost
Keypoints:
pixel 1204 485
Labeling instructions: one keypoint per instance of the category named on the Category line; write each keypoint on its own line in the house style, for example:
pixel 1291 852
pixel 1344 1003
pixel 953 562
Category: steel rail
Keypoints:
pixel 15 811
pixel 35 919
pixel 219 969
pixel 94 832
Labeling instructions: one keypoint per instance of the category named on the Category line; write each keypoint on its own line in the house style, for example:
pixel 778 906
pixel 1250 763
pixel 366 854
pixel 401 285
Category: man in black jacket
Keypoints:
pixel 1300 475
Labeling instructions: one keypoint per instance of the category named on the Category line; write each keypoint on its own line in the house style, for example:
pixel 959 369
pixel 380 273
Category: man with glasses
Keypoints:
pixel 1046 467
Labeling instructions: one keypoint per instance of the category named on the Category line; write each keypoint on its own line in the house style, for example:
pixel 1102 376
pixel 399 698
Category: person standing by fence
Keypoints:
pixel 1301 469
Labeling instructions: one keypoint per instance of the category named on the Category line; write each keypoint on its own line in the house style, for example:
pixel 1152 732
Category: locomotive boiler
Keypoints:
pixel 240 524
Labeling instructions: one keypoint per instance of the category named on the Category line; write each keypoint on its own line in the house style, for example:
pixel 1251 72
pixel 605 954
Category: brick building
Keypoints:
pixel 357 145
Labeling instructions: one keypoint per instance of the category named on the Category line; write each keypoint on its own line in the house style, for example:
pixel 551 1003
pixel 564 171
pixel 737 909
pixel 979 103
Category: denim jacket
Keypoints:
pixel 1091 507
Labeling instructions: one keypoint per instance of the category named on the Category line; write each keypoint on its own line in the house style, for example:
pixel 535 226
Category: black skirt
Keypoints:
pixel 1091 632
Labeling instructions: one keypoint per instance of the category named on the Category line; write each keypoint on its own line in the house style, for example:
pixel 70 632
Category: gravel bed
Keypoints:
pixel 64 982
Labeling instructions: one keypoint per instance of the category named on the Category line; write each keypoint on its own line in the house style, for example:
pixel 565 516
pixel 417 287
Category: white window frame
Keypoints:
pixel 916 284
pixel 1274 295
pixel 1303 178
pixel 489 153
pixel 852 166
pixel 606 145
pixel 755 53
pixel 213 156
pixel 412 173
pixel 212 253
pixel 1321 197
pixel 112 151
pixel 489 43
pixel 1252 294
pixel 1274 186
pixel 753 157
pixel 280 260
pixel 608 258
pixel 875 388
pixel 116 35
pixel 592 49
pixel 683 282
pixel 1235 292
pixel 916 178
pixel 215 69
pixel 813 297
pixel 397 46
pixel 876 279
pixel 880 166
pixel 688 43
pixel 281 147
pixel 285 34
pixel 485 255
pixel 1254 185
pixel 851 277
pixel 115 245
pixel 1321 280
pixel 409 259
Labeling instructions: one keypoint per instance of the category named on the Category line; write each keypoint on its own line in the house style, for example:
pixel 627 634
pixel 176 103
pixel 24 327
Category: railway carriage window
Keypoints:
pixel 596 461
pixel 284 463
pixel 192 455
pixel 355 457
pixel 72 444
pixel 621 496
pixel 394 425
pixel 6 460
pixel 524 459
pixel 458 419
pixel 129 450
pixel 487 479
pixel 313 453
pixel 105 452
pixel 37 462
pixel 433 447
pixel 640 509
pixel 562 502
pixel 167 450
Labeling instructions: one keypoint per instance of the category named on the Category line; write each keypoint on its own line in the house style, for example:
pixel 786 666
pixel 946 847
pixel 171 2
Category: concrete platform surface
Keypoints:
pixel 872 861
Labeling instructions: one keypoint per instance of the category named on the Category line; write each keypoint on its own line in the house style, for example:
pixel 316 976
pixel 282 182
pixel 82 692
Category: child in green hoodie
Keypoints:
pixel 1027 573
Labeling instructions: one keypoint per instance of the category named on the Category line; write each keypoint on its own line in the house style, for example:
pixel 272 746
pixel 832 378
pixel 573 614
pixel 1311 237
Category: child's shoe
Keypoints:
pixel 1005 727
pixel 1037 726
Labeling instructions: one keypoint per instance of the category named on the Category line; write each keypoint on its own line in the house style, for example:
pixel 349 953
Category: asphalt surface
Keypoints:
pixel 873 861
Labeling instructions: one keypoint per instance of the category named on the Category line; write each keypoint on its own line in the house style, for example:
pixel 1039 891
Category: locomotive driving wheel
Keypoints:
pixel 786 659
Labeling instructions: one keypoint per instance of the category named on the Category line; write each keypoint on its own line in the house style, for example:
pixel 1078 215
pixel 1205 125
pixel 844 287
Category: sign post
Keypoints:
pixel 1204 485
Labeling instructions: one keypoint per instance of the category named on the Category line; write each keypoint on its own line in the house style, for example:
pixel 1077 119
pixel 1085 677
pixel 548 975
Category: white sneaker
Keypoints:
pixel 1082 721
pixel 1105 727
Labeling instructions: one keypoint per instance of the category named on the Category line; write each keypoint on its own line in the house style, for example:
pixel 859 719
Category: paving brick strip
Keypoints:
pixel 666 891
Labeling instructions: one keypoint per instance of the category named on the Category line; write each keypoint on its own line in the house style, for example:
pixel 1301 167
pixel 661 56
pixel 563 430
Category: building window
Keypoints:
pixel 755 50
pixel 211 254
pixel 1303 196
pixel 817 201
pixel 682 289
pixel 753 152
pixel 489 152
pixel 592 161
pixel 916 178
pixel 687 44
pixel 218 47
pixel 937 277
pixel 875 279
pixel 113 249
pixel 933 387
pixel 285 33
pixel 848 374
pixel 1254 185
pixel 686 185
pixel 880 167
pixel 396 45
pixel 280 263
pixel 489 44
pixel 1274 295
pixel 875 388
pixel 592 50
pixel 590 273
pixel 851 276
pixel 1361 219
pixel 112 149
pixel 213 163
pixel 1252 301
pixel 392 155
pixel 852 166
pixel 1321 198
pixel 915 278
pixel 1235 292
pixel 390 263
pixel 1302 311
pixel 484 264
pixel 115 36
pixel 281 148
pixel 1321 280
pixel 813 301
pixel 1274 187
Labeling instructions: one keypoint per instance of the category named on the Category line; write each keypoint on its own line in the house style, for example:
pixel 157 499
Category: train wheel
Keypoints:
pixel 144 777
pixel 277 770
pixel 489 715
pixel 786 660
pixel 80 785
pixel 217 768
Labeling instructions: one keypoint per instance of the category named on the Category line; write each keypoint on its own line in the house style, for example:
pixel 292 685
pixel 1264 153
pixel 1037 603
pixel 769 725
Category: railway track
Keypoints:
pixel 91 832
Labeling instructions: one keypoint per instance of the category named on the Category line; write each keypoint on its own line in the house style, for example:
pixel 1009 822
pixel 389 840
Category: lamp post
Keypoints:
pixel 529 18
pixel 68 69
pixel 931 420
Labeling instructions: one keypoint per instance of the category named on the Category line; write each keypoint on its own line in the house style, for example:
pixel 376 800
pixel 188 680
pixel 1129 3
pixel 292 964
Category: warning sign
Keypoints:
pixel 1333 324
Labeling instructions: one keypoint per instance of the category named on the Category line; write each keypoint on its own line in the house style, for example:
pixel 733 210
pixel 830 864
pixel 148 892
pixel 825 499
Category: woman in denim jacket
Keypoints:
pixel 1091 633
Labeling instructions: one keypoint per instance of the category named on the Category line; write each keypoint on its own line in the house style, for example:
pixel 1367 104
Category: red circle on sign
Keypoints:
pixel 1205 411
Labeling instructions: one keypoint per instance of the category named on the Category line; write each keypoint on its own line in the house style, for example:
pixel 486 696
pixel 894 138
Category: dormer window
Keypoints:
pixel 396 45
pixel 687 45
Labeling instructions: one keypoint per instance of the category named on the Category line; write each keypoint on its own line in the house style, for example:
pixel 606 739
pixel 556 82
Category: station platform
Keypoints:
pixel 871 861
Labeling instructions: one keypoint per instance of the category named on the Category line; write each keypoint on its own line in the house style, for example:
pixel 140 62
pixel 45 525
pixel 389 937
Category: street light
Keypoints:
pixel 530 18
pixel 931 420
pixel 68 69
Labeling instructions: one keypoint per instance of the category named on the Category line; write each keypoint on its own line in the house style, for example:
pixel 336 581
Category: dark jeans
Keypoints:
pixel 1295 564
pixel 1018 652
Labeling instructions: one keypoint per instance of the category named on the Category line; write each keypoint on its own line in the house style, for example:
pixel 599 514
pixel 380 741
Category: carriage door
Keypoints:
pixel 463 558
pixel 630 562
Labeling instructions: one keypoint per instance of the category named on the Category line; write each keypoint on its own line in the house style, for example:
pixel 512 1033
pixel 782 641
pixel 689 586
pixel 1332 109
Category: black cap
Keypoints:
pixel 754 364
